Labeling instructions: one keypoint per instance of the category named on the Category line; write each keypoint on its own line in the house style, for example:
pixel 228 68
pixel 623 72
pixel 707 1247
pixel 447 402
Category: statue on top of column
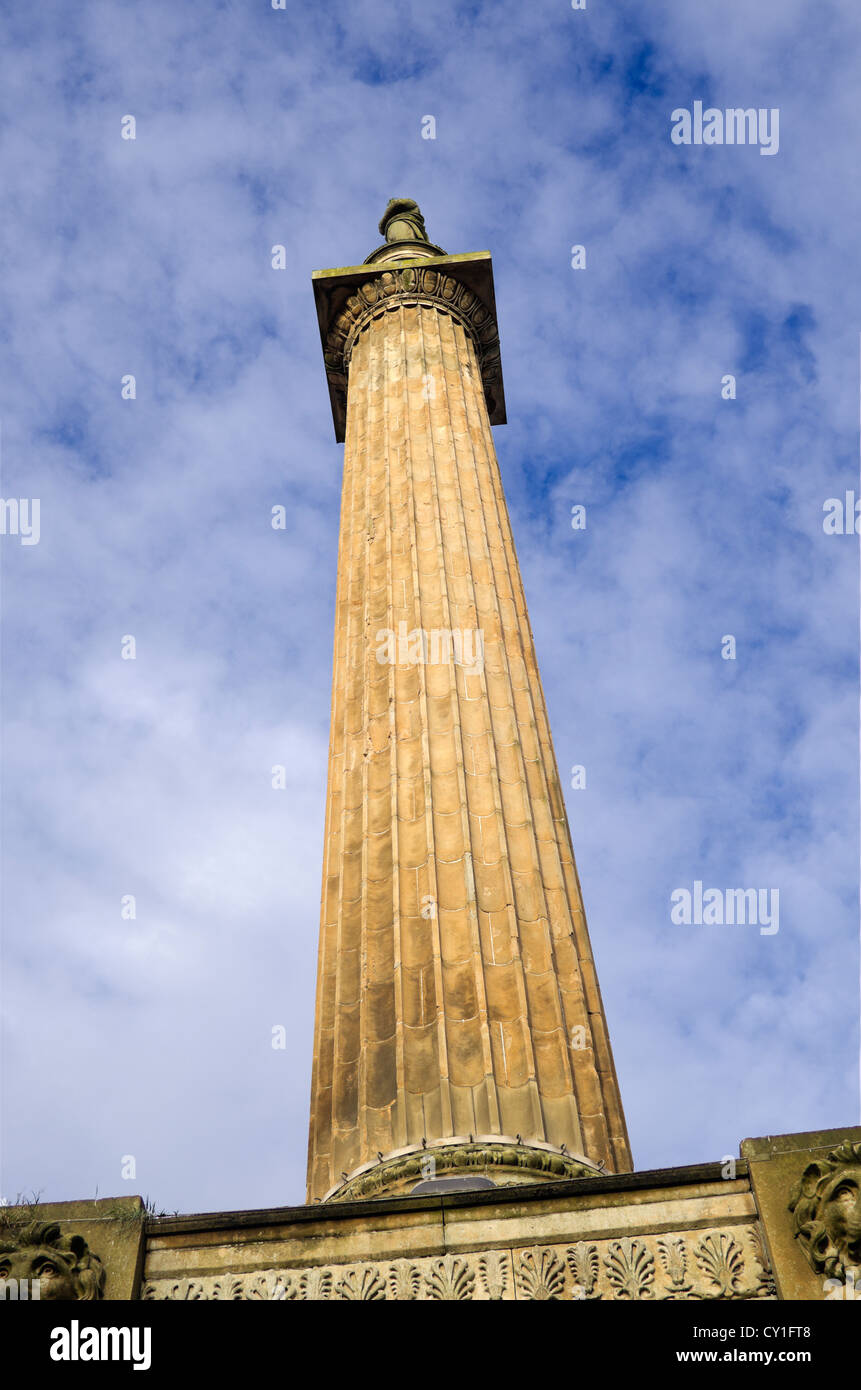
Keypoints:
pixel 402 221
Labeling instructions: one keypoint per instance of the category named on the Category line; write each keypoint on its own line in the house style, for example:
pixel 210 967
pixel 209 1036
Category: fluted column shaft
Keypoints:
pixel 456 989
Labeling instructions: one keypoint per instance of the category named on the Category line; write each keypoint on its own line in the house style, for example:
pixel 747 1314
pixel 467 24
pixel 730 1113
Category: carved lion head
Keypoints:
pixel 826 1202
pixel 64 1265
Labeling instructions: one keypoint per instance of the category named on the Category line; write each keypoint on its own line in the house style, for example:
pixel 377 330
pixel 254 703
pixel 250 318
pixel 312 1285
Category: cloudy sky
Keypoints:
pixel 257 127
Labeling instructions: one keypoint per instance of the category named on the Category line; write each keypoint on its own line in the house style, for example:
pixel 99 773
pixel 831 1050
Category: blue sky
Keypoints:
pixel 152 777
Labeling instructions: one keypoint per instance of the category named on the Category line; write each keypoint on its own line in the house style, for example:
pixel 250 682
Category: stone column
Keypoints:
pixel 457 998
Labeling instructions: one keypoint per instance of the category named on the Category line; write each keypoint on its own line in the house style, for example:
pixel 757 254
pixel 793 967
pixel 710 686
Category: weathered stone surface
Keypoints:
pixel 808 1194
pixel 403 221
pixel 683 1234
pixel 445 810
pixel 342 295
pixel 97 1247
pixel 716 1264
pixel 502 1161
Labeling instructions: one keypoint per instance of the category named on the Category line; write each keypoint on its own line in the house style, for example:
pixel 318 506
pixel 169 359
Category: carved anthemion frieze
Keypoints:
pixel 722 1264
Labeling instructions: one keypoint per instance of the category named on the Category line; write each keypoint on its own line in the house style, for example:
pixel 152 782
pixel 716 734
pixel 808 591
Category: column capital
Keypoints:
pixel 348 297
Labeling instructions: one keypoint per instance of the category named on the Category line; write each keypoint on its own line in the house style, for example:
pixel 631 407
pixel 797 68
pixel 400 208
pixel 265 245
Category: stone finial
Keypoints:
pixel 403 221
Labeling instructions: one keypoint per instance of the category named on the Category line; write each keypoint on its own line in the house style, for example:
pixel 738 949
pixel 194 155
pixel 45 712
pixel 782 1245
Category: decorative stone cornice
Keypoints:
pixel 504 1161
